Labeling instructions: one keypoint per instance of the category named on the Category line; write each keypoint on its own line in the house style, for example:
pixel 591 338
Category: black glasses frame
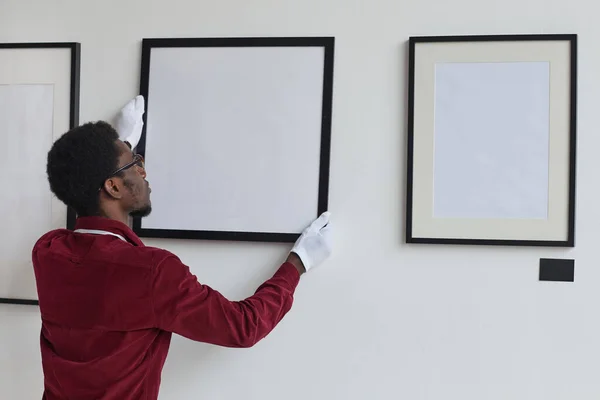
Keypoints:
pixel 138 160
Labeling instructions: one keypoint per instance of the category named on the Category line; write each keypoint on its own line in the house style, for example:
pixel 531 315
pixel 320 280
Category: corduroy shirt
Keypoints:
pixel 109 306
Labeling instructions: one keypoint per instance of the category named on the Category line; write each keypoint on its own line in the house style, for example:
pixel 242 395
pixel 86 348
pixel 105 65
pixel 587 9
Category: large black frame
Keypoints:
pixel 572 40
pixel 75 70
pixel 328 45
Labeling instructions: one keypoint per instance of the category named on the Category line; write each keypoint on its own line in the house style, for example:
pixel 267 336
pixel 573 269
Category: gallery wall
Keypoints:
pixel 382 319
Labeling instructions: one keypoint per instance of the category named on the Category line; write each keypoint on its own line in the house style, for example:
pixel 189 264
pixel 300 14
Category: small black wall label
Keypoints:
pixel 556 269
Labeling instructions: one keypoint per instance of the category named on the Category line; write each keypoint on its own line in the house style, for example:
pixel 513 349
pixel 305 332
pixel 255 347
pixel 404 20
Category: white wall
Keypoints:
pixel 382 320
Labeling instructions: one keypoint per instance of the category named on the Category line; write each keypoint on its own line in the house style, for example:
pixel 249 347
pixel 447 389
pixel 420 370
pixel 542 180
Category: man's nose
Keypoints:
pixel 142 171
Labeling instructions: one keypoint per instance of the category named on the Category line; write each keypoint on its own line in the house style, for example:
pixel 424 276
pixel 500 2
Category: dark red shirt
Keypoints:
pixel 109 307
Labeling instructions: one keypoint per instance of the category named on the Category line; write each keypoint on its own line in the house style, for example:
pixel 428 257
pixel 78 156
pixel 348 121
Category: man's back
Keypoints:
pixel 97 338
pixel 109 305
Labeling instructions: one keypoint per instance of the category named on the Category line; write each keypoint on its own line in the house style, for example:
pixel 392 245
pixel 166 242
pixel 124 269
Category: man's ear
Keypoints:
pixel 113 188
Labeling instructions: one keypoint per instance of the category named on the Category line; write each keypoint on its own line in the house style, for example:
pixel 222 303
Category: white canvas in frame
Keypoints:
pixel 491 140
pixel 35 109
pixel 233 139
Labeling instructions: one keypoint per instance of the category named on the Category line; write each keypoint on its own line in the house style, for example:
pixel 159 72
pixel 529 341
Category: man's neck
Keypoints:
pixel 115 215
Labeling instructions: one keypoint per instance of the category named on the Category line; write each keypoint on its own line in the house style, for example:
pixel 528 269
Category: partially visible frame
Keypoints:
pixel 492 140
pixel 255 169
pixel 39 89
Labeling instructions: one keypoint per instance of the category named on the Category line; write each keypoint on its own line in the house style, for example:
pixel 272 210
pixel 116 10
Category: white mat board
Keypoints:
pixel 26 127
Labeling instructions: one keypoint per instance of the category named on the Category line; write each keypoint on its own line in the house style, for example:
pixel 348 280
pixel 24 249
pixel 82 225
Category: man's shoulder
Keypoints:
pixel 47 238
pixel 147 256
pixel 60 242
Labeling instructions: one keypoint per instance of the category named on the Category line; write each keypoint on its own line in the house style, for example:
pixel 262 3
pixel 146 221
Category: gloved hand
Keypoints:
pixel 129 121
pixel 314 244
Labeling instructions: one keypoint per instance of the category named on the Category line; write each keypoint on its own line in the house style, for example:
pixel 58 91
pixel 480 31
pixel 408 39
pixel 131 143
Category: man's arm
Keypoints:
pixel 184 306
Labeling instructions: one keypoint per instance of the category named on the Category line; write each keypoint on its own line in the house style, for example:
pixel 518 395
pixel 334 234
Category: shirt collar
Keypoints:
pixel 109 225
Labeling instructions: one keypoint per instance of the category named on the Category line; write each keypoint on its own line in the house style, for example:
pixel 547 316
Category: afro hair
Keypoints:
pixel 79 162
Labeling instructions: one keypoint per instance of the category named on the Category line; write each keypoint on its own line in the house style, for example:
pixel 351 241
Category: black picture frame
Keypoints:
pixel 433 238
pixel 75 73
pixel 327 43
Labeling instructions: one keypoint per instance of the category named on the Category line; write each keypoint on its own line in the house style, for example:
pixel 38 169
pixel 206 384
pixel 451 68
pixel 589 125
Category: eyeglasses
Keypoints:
pixel 138 160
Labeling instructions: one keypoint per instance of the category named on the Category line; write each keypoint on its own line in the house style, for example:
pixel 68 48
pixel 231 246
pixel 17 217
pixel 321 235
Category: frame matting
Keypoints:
pixel 236 136
pixel 39 101
pixel 491 140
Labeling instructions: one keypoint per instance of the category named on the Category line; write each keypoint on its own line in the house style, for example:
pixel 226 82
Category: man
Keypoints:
pixel 109 304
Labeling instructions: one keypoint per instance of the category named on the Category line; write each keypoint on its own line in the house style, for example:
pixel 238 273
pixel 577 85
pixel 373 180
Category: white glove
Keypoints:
pixel 129 121
pixel 314 244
